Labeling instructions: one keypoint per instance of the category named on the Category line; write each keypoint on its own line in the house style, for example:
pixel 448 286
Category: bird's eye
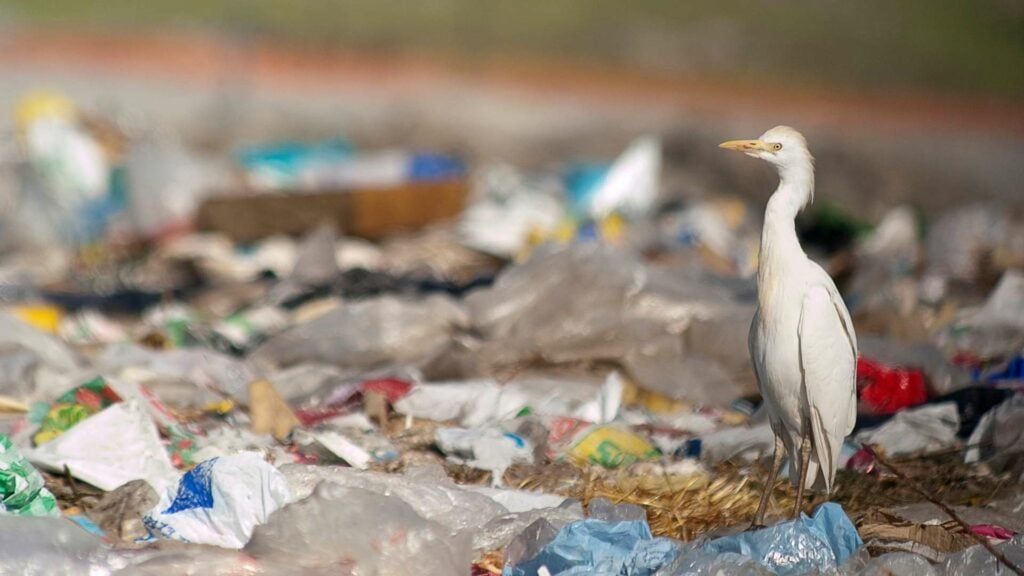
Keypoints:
pixel 776 147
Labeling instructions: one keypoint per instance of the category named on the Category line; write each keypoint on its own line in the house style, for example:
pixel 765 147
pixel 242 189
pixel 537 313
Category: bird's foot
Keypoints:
pixel 755 526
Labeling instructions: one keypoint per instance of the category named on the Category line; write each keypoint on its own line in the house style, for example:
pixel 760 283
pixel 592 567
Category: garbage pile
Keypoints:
pixel 309 358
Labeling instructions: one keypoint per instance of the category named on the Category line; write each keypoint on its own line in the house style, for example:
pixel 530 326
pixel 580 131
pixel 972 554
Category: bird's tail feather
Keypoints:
pixel 816 477
pixel 816 474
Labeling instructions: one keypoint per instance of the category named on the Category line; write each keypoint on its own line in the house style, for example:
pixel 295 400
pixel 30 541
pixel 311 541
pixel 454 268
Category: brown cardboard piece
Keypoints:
pixel 371 213
pixel 269 412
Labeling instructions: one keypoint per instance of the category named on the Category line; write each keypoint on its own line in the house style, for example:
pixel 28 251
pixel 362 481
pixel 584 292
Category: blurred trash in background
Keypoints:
pixel 66 176
pixel 380 350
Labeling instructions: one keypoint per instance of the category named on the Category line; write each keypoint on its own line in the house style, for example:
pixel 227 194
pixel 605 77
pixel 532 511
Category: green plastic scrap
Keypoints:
pixel 21 486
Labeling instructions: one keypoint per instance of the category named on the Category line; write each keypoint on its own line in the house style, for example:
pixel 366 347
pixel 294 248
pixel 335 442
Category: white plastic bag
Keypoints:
pixel 111 447
pixel 631 185
pixel 220 501
pixel 480 402
pixel 489 448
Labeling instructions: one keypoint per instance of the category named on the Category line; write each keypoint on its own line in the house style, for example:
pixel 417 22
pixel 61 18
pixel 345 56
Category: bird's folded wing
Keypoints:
pixel 828 363
pixel 752 349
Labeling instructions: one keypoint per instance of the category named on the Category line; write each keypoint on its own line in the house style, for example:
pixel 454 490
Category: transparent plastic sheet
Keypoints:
pixel 303 381
pixel 600 288
pixel 604 509
pixel 696 563
pixel 174 391
pixel 203 367
pixel 50 350
pixel 1005 512
pixel 898 563
pixel 996 330
pixel 529 541
pixel 999 436
pixel 472 512
pixel 956 239
pixel 503 530
pixel 987 342
pixel 368 333
pixel 346 530
pixel 589 302
pixel 41 546
pixel 193 560
pixel 977 561
pixel 18 367
pixel 1005 305
pixel 316 261
pixel 20 278
pixel 662 366
pixel 429 492
pixel 886 256
pixel 315 265
pixel 821 542
pixel 855 563
pixel 743 443
pixel 927 428
pixel 11 284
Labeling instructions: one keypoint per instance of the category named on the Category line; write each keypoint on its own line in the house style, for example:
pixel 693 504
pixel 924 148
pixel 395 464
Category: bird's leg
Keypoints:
pixel 805 460
pixel 769 484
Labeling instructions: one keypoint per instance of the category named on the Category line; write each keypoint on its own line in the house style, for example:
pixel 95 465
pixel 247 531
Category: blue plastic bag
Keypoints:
pixel 581 181
pixel 821 542
pixel 600 548
pixel 430 166
pixel 290 164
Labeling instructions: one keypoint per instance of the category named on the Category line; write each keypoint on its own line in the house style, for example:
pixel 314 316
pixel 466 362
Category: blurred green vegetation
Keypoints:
pixel 958 46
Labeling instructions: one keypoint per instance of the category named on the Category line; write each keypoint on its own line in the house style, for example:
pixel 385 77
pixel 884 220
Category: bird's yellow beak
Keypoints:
pixel 746 145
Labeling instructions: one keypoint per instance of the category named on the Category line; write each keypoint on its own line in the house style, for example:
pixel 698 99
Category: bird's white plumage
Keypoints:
pixel 826 356
pixel 802 341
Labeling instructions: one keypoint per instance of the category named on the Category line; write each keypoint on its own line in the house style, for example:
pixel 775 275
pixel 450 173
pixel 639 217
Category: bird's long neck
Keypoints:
pixel 780 248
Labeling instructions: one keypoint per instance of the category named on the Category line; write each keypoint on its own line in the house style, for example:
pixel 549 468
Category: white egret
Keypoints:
pixel 801 341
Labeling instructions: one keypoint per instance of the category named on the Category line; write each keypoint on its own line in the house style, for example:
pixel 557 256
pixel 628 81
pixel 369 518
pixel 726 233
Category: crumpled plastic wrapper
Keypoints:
pixel 927 428
pixel 594 546
pixel 596 303
pixel 822 542
pixel 431 495
pixel 347 530
pixel 368 333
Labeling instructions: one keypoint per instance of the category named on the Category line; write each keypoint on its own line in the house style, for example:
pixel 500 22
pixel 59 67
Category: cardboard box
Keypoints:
pixel 367 213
